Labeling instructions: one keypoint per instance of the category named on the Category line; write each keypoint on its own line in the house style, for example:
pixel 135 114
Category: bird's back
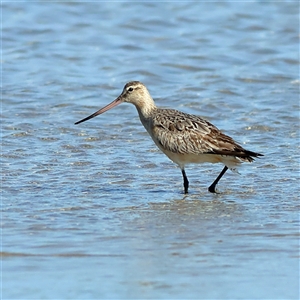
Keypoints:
pixel 187 134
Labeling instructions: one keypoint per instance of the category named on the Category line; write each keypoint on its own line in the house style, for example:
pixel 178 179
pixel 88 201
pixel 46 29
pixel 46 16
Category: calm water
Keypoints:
pixel 95 211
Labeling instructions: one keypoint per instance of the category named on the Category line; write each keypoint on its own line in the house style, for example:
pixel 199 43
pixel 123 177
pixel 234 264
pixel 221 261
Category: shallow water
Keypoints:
pixel 95 211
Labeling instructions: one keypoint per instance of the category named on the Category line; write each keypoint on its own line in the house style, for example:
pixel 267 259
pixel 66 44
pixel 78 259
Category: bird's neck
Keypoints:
pixel 146 108
pixel 145 113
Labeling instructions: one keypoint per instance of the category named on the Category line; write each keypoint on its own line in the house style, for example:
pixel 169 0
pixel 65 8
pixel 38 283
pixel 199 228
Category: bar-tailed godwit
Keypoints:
pixel 184 138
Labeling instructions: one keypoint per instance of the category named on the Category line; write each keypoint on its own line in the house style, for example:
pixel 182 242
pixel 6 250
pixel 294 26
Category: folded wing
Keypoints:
pixel 190 134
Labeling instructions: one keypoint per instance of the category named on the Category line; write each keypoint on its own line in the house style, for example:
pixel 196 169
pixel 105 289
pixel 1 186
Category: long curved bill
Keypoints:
pixel 102 110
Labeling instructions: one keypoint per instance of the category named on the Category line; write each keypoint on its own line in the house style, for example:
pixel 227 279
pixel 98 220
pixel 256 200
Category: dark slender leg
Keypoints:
pixel 185 182
pixel 212 188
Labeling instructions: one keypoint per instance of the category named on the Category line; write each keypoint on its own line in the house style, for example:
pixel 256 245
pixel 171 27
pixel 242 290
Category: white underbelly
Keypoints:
pixel 182 159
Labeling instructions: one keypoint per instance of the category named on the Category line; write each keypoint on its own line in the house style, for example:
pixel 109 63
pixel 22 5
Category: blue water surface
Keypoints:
pixel 95 211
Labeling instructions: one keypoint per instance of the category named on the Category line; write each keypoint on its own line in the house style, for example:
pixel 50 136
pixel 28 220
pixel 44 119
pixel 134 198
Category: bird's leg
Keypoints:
pixel 185 182
pixel 212 188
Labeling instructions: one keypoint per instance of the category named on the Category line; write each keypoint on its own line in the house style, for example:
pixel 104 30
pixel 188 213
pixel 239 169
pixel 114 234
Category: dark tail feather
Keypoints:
pixel 250 155
pixel 241 153
pixel 253 154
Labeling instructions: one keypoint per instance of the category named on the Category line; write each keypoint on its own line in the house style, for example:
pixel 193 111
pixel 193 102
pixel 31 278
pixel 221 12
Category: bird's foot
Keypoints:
pixel 212 189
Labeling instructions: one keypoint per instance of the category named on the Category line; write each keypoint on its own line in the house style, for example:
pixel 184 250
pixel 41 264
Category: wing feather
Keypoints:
pixel 190 134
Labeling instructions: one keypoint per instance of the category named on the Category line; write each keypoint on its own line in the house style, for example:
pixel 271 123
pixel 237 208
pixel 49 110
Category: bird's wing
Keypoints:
pixel 189 134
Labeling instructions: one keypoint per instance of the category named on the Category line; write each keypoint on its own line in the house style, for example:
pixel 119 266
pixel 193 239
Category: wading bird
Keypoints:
pixel 184 138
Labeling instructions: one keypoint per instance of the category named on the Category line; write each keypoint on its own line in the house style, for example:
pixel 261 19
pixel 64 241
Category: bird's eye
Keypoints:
pixel 130 89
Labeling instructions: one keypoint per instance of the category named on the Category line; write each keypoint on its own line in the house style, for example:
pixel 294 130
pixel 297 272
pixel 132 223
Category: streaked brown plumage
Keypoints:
pixel 184 138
